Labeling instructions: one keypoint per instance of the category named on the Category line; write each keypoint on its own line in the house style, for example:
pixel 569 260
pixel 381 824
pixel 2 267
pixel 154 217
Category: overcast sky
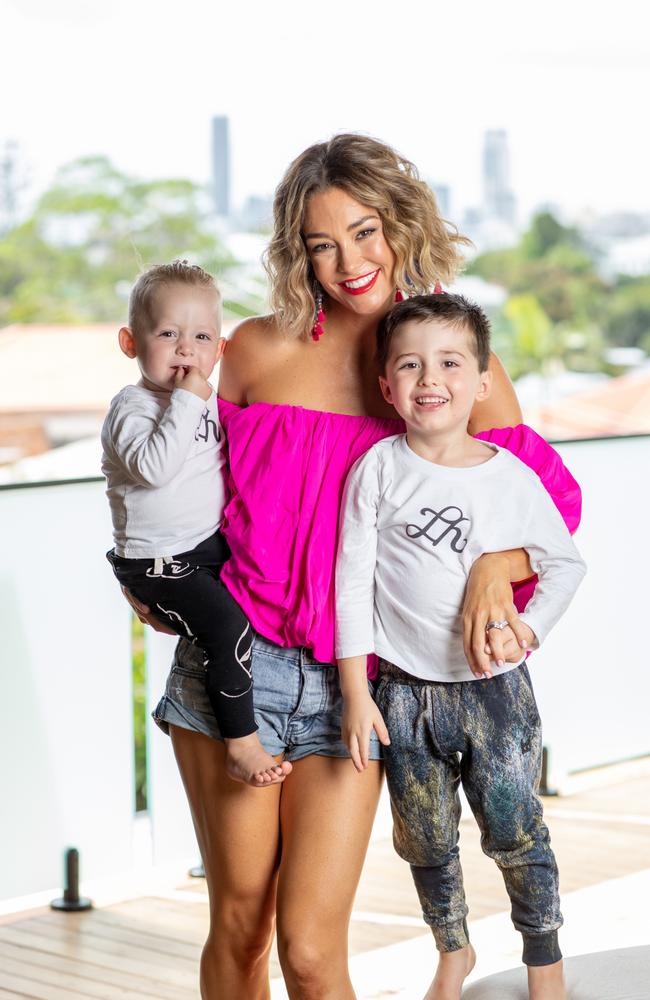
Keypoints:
pixel 139 80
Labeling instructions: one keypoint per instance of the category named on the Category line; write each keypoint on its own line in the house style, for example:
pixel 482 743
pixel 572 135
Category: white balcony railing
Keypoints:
pixel 66 742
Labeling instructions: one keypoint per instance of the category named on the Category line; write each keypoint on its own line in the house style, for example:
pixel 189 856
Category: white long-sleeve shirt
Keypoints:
pixel 411 531
pixel 163 455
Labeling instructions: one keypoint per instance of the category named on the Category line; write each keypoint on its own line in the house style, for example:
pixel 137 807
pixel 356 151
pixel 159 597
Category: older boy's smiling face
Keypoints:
pixel 432 375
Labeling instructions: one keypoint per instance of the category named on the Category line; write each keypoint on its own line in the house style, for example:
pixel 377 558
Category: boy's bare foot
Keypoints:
pixel 453 969
pixel 546 982
pixel 248 761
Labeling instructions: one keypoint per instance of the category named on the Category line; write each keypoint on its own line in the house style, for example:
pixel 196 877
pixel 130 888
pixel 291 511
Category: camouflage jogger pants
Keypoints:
pixel 486 735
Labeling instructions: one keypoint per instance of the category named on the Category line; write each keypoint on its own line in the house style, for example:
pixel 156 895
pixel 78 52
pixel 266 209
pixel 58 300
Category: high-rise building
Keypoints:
pixel 499 201
pixel 221 164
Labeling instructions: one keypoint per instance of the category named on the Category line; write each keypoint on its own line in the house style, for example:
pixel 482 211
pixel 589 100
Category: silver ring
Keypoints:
pixel 499 625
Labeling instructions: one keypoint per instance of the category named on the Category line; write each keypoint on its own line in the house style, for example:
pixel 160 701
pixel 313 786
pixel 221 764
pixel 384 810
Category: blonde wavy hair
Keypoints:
pixel 426 247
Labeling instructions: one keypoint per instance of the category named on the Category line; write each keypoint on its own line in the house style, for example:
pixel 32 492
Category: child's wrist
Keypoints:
pixel 356 691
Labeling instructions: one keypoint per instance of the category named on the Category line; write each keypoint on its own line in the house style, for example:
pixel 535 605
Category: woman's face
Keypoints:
pixel 348 251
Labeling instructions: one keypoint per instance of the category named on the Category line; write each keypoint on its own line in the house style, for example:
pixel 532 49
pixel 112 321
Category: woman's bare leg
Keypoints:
pixel 237 828
pixel 327 810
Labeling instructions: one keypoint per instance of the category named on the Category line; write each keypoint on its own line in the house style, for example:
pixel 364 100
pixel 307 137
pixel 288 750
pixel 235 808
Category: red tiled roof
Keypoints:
pixel 620 406
pixel 62 369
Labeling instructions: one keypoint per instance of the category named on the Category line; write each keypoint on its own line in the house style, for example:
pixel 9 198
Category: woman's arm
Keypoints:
pixel 501 408
pixel 488 596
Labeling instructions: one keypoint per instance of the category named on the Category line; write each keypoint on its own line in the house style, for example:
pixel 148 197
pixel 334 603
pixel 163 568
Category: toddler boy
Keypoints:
pixel 163 460
pixel 419 509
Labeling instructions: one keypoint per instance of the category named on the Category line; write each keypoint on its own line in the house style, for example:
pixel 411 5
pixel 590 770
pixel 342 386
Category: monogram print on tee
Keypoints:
pixel 442 524
pixel 206 425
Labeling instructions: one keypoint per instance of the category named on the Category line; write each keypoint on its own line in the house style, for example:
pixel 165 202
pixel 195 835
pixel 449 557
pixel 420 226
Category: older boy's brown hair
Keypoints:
pixel 143 293
pixel 454 309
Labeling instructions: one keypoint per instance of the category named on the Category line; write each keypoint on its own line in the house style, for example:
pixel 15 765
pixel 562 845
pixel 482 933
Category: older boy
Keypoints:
pixel 419 509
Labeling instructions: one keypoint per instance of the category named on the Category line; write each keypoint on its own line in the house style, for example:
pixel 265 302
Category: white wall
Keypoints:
pixel 591 676
pixel 66 743
pixel 66 751
pixel 171 825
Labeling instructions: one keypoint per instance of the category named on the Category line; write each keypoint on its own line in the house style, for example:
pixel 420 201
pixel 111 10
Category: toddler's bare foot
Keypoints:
pixel 546 982
pixel 453 969
pixel 248 761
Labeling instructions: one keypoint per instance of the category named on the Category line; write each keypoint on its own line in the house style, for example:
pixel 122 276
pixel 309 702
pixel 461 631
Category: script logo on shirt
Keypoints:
pixel 442 524
pixel 206 425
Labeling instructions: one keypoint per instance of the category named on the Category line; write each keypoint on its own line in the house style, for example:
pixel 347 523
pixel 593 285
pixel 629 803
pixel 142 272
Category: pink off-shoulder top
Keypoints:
pixel 288 466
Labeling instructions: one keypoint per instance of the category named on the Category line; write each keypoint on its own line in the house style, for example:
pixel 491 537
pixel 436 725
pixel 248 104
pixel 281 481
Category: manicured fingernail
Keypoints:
pixel 523 644
pixel 501 663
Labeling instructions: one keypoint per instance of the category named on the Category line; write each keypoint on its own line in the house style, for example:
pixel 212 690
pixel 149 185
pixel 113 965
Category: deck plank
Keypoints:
pixel 95 929
pixel 108 951
pixel 149 948
pixel 74 948
pixel 40 991
pixel 74 985
pixel 117 981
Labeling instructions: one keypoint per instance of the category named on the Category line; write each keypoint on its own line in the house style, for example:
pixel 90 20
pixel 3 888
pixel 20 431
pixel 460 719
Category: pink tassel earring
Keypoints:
pixel 399 296
pixel 317 329
pixel 438 289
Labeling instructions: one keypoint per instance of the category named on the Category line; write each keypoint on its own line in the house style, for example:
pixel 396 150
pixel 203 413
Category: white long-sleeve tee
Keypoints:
pixel 411 531
pixel 163 456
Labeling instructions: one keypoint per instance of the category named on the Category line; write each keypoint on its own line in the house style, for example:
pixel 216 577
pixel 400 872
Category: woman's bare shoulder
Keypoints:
pixel 249 351
pixel 251 334
pixel 501 408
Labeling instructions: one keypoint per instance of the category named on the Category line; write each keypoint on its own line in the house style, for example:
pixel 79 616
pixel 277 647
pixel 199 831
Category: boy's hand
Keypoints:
pixel 192 380
pixel 504 645
pixel 360 717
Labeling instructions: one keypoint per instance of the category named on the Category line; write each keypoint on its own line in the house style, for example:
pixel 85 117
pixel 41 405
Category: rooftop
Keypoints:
pixel 59 368
pixel 618 406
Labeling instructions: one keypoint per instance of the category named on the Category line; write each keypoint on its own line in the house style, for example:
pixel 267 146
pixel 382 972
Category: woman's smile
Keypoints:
pixel 357 286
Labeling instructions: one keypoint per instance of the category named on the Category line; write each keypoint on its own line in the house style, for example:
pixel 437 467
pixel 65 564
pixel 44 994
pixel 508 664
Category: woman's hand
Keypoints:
pixel 488 598
pixel 144 614
pixel 360 717
pixel 510 649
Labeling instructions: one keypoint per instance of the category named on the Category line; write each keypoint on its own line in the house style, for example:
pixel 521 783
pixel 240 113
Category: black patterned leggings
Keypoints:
pixel 186 592
pixel 486 735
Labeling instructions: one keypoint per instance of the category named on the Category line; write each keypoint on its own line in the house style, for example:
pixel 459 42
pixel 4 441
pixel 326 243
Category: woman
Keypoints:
pixel 353 224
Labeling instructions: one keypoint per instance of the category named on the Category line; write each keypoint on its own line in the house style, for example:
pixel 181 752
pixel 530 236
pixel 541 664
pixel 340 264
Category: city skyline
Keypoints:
pixel 145 96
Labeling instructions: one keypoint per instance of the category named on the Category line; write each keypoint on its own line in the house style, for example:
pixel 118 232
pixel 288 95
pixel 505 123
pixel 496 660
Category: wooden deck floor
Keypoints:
pixel 148 948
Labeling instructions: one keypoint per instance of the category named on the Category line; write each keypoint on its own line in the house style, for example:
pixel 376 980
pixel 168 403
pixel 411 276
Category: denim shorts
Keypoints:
pixel 298 701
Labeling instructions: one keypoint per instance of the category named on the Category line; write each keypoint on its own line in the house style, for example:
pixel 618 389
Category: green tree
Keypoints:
pixel 545 234
pixel 532 343
pixel 89 236
pixel 557 300
pixel 627 321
